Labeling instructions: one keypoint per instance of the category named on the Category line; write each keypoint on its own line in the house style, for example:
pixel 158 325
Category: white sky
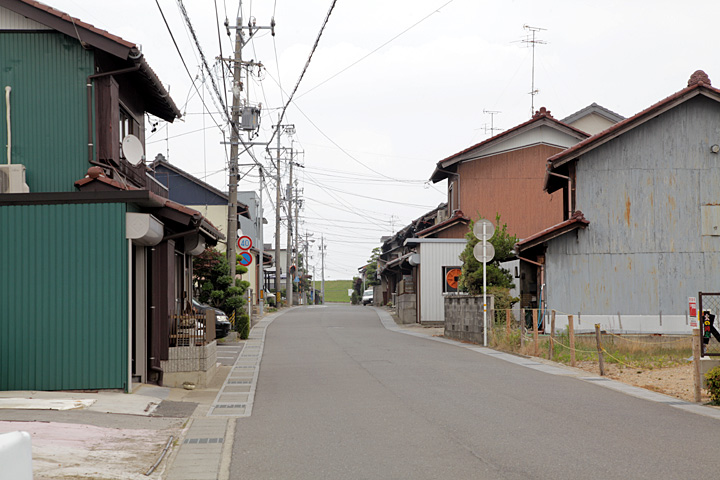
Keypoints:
pixel 373 132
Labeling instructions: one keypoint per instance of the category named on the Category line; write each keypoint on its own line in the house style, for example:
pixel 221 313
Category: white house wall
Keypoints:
pixel 433 257
pixel 10 20
pixel 643 253
pixel 542 135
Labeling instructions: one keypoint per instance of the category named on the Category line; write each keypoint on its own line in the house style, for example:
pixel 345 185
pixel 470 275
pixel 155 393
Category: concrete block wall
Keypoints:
pixel 191 359
pixel 407 308
pixel 464 317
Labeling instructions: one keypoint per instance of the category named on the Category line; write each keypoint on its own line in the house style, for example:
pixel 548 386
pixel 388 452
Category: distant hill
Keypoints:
pixel 336 290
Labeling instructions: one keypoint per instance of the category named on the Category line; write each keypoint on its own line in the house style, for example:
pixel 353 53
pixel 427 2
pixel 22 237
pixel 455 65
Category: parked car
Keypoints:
pixel 367 298
pixel 222 324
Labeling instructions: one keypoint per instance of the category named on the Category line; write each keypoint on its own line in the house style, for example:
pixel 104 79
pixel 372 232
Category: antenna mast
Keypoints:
pixel 532 44
pixel 492 128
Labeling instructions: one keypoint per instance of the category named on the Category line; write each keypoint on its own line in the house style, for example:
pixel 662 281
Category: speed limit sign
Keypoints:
pixel 244 243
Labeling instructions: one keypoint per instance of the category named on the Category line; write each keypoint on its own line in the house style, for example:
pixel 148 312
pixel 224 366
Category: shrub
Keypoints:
pixel 355 298
pixel 242 325
pixel 713 385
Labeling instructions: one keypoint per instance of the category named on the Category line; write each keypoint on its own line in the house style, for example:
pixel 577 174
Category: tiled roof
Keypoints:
pixel 596 109
pixel 542 115
pixel 577 220
pixel 457 217
pixel 157 99
pixel 699 83
pixel 243 209
pixel 95 174
pixel 76 22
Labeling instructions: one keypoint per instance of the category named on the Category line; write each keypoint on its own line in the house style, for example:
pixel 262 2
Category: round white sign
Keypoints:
pixel 487 256
pixel 489 229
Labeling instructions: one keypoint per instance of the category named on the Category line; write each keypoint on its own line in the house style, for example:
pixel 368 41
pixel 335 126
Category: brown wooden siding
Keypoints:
pixel 456 231
pixel 511 184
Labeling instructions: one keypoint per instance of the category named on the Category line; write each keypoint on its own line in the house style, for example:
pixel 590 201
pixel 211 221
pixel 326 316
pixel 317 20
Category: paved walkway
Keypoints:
pixel 205 451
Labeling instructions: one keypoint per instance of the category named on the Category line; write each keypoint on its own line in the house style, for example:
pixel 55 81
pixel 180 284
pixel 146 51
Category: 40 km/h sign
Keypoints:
pixel 244 243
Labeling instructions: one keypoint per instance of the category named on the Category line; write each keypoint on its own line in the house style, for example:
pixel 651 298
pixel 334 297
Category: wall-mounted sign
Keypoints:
pixel 692 312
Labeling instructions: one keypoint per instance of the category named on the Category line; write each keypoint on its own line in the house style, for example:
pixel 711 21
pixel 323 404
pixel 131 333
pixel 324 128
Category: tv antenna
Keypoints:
pixel 492 114
pixel 532 42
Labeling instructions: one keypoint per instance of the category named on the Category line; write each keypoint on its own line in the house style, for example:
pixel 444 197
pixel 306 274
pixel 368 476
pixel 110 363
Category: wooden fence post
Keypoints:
pixel 507 321
pixel 551 347
pixel 535 332
pixel 522 329
pixel 598 340
pixel 697 381
pixel 571 333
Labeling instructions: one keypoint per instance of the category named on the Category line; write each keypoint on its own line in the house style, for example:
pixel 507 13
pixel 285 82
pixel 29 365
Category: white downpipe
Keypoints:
pixel 9 131
pixel 130 316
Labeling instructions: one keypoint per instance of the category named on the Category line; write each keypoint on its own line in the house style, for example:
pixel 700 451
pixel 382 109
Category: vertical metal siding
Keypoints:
pixel 433 257
pixel 48 73
pixel 511 184
pixel 63 297
pixel 10 20
pixel 643 252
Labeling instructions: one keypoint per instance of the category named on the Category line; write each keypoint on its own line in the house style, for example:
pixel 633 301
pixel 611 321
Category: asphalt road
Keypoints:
pixel 341 397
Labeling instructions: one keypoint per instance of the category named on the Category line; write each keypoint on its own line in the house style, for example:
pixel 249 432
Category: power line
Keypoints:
pixel 302 74
pixel 202 57
pixel 326 187
pixel 436 10
pixel 177 48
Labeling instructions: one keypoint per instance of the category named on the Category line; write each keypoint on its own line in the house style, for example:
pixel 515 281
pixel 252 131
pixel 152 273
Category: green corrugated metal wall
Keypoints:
pixel 48 73
pixel 63 297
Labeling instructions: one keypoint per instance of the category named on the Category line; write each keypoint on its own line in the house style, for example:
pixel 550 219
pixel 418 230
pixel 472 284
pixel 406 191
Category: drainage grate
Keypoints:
pixel 203 440
pixel 231 405
pixel 239 382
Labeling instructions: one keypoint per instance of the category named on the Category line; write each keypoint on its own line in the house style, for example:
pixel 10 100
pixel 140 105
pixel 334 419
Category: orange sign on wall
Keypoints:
pixel 452 278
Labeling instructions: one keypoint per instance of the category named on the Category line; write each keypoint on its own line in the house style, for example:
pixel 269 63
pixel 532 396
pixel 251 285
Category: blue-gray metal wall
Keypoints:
pixel 643 252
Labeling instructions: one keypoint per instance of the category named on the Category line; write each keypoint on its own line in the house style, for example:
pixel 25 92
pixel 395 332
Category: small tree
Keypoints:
pixel 471 279
pixel 213 284
pixel 371 269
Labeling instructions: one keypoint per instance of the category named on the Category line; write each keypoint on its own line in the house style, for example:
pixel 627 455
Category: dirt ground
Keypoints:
pixel 674 381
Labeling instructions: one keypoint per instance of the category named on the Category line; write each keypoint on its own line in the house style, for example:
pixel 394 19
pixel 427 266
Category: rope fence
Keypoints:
pixel 534 333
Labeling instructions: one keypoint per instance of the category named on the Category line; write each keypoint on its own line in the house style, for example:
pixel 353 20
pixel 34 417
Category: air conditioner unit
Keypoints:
pixel 12 179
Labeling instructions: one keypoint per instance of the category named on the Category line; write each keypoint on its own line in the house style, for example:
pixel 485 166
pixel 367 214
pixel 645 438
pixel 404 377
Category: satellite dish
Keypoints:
pixel 133 149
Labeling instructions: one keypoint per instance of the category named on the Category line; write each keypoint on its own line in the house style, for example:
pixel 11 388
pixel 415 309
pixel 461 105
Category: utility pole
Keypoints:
pixel 288 253
pixel 322 268
pixel 296 249
pixel 261 247
pixel 234 144
pixel 277 219
pixel 248 125
pixel 306 260
pixel 532 43
pixel 289 129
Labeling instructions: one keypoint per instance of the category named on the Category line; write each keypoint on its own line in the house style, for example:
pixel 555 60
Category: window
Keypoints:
pixel 451 276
